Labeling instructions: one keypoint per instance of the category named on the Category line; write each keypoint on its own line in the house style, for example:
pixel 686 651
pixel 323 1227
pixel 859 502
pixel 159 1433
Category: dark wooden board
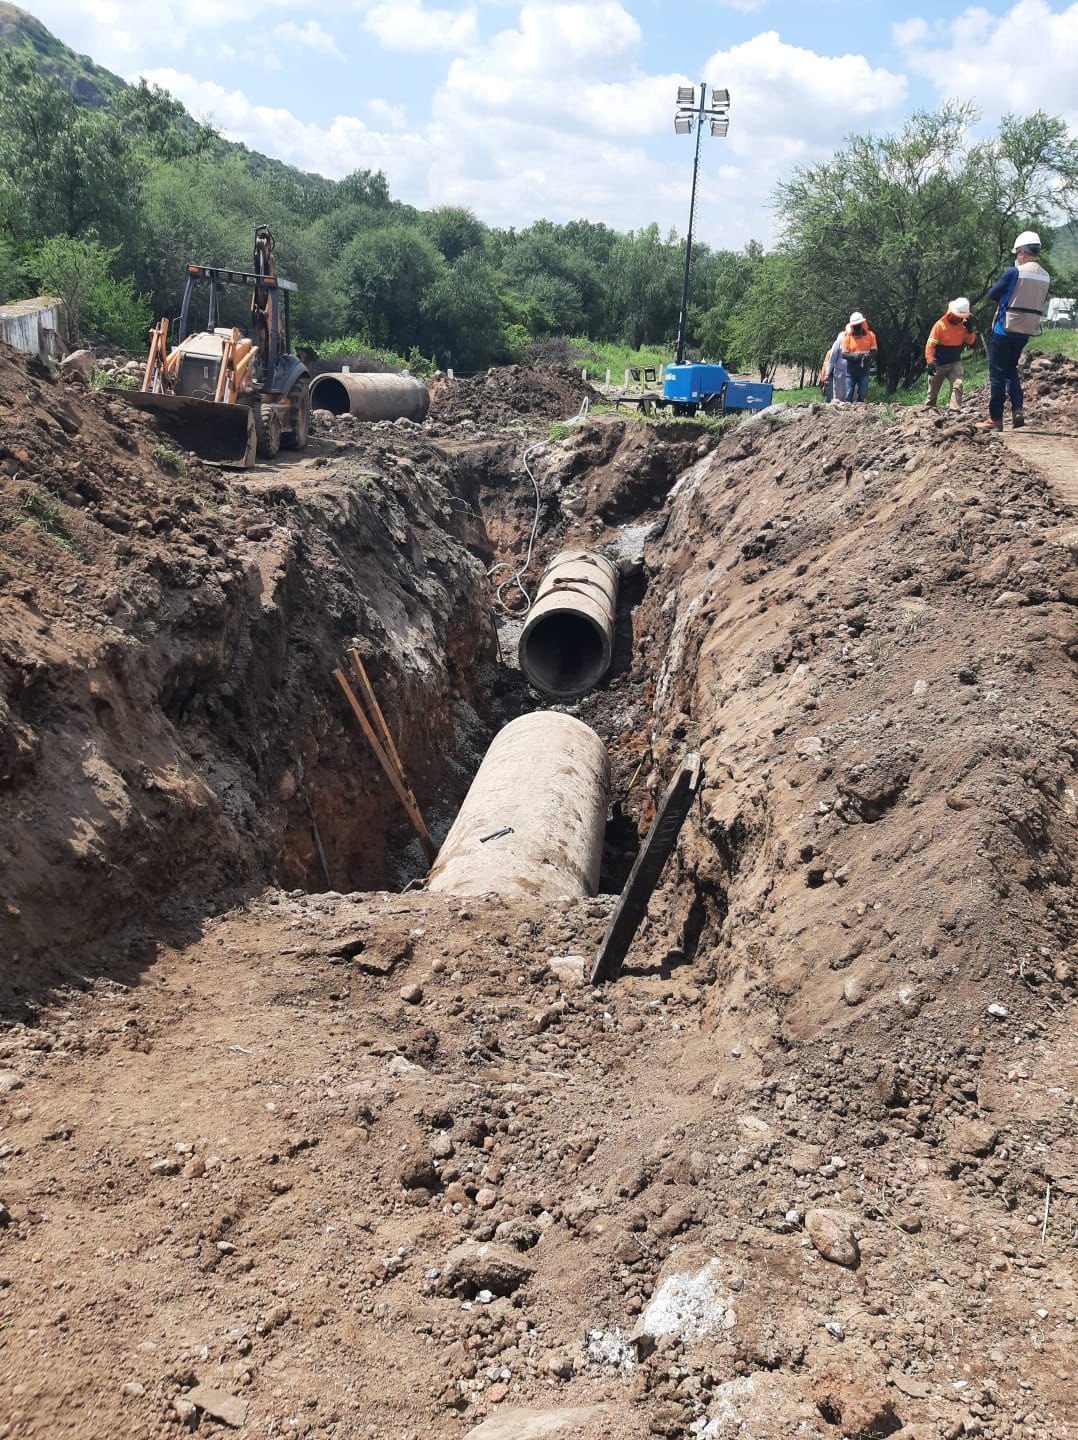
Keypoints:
pixel 654 853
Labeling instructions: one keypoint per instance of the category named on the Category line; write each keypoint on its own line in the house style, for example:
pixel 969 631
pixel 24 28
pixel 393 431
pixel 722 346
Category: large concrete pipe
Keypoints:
pixel 533 822
pixel 371 397
pixel 566 645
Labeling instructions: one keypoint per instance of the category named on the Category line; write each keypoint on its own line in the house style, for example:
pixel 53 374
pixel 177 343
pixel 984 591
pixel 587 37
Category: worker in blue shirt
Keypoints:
pixel 1020 294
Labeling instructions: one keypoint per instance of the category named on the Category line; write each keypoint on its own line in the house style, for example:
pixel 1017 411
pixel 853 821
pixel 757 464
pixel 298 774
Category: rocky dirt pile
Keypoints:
pixel 168 719
pixel 808 1168
pixel 508 393
pixel 1050 380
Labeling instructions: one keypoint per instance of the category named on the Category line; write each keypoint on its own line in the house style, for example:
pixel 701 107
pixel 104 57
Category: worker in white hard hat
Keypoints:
pixel 943 351
pixel 859 350
pixel 1020 294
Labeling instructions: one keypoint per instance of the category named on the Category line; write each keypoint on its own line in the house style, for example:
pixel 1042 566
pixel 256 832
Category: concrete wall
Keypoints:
pixel 32 326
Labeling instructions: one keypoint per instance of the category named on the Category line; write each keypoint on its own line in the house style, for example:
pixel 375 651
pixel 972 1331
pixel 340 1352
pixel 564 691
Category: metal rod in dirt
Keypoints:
pixel 654 853
pixel 404 795
pixel 318 843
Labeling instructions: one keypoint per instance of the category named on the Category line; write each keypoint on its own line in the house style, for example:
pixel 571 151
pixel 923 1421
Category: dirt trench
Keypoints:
pixel 302 1162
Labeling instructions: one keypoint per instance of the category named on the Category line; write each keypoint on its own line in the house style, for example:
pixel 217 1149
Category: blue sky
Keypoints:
pixel 521 110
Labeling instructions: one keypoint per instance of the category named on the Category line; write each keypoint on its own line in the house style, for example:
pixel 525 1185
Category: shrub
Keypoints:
pixel 80 274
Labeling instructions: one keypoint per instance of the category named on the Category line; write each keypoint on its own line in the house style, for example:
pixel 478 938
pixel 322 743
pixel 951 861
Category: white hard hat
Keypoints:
pixel 959 306
pixel 1026 239
pixel 857 318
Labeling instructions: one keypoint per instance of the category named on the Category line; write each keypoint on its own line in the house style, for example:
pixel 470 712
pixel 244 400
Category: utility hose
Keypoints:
pixel 499 604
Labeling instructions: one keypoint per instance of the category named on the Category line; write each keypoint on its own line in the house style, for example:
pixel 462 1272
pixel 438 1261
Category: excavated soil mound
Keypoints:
pixel 169 723
pixel 511 392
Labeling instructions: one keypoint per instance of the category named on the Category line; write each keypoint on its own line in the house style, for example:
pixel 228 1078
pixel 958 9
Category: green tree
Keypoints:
pixel 454 231
pixel 463 314
pixel 64 169
pixel 80 273
pixel 385 277
pixel 714 314
pixel 15 282
pixel 646 277
pixel 544 266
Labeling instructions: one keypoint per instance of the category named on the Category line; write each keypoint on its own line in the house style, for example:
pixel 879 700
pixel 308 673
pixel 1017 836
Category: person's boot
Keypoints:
pixel 989 425
pixel 1018 420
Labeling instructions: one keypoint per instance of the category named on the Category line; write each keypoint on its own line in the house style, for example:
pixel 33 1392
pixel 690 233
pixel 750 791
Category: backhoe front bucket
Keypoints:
pixel 219 433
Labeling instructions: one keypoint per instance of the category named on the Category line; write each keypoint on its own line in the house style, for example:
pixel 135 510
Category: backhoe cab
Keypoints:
pixel 223 395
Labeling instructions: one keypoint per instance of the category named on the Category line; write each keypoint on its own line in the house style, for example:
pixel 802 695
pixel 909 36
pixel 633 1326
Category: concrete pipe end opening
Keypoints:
pixel 564 654
pixel 329 394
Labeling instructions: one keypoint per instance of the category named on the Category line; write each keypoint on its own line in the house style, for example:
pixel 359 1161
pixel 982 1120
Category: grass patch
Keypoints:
pixel 170 461
pixel 1056 342
pixel 39 508
pixel 345 345
pixel 112 380
pixel 699 421
pixel 911 618
pixel 598 356
pixel 211 507
pixel 805 396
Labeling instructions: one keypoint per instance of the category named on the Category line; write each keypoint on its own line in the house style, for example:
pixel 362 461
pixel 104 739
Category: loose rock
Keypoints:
pixel 832 1234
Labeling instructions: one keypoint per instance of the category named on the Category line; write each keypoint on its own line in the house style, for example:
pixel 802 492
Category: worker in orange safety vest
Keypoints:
pixel 859 350
pixel 943 352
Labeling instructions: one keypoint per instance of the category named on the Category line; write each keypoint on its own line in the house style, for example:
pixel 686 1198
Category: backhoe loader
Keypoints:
pixel 224 395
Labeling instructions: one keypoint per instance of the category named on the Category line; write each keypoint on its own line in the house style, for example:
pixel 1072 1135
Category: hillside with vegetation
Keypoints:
pixel 107 190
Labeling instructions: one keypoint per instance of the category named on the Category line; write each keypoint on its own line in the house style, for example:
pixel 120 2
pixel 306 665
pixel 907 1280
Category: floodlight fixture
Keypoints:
pixel 682 125
pixel 686 95
pixel 720 128
pixel 720 97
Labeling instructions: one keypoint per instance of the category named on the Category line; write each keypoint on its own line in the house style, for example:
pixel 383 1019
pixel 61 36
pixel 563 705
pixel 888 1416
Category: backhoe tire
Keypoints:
pixel 267 431
pixel 300 396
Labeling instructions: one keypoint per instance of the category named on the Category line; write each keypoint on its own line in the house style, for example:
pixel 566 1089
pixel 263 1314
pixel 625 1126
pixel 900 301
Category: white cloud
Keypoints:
pixel 310 36
pixel 411 25
pixel 395 116
pixel 555 116
pixel 745 6
pixel 784 90
pixel 119 34
pixel 1023 60
pixel 346 143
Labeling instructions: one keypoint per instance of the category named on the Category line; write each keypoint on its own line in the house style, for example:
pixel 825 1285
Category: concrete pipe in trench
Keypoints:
pixel 532 823
pixel 371 397
pixel 568 639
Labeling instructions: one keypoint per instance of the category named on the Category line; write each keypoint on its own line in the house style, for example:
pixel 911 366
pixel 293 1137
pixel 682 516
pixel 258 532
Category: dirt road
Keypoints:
pixel 1055 455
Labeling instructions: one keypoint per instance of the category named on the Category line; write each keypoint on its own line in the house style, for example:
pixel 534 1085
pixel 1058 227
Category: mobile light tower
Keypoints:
pixel 688 117
pixel 687 387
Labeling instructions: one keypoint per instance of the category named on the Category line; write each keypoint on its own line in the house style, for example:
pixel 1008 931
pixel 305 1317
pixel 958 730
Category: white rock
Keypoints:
pixel 79 363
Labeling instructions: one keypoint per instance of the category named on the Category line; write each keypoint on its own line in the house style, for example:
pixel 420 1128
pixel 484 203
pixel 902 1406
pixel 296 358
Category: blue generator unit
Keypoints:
pixel 688 388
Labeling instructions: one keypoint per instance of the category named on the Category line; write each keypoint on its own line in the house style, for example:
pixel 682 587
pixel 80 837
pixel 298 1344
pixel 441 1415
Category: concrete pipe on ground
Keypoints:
pixel 371 397
pixel 568 639
pixel 532 823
